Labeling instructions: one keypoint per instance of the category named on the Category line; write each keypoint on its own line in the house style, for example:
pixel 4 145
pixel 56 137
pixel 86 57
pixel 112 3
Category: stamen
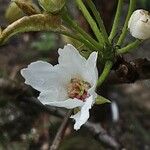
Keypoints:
pixel 78 89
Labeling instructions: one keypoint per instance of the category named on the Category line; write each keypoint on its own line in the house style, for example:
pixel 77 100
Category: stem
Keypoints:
pixel 116 20
pixel 78 29
pixel 124 30
pixel 105 73
pixel 78 38
pixel 98 19
pixel 129 47
pixel 60 132
pixel 91 21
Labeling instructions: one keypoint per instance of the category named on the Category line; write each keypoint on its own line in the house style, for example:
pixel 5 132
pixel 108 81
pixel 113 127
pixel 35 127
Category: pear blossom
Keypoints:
pixel 139 24
pixel 70 84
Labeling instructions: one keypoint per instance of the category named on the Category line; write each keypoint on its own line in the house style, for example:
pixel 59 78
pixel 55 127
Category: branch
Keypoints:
pixel 101 135
pixel 61 131
pixel 129 72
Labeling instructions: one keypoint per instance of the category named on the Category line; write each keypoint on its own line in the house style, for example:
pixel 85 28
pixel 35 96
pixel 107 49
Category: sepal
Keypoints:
pixel 101 100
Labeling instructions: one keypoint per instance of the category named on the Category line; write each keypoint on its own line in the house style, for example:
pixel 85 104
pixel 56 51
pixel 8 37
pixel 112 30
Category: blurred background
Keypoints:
pixel 28 126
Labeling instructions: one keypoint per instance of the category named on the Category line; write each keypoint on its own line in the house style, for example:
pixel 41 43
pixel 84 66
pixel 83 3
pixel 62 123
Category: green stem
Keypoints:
pixel 124 30
pixel 78 38
pixel 91 21
pixel 116 20
pixel 105 73
pixel 98 19
pixel 78 29
pixel 129 47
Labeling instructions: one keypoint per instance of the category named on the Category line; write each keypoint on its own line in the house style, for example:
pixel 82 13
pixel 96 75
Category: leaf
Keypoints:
pixel 28 8
pixel 101 100
pixel 38 22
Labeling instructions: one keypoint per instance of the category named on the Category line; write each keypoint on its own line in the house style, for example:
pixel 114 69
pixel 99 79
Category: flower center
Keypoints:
pixel 78 89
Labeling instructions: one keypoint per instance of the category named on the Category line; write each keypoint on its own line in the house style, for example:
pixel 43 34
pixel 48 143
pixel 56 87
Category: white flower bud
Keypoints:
pixel 139 24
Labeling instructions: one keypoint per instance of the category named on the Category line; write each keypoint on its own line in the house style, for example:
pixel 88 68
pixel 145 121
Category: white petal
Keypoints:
pixel 36 74
pixel 92 59
pixel 70 56
pixel 50 81
pixel 82 116
pixel 71 60
pixel 55 93
pixel 54 96
pixel 91 73
pixel 69 103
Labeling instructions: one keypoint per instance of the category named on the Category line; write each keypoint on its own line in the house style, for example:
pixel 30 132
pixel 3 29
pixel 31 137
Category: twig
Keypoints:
pixel 61 131
pixel 101 135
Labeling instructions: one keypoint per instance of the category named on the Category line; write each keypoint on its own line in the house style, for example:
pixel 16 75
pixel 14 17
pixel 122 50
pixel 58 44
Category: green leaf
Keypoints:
pixel 101 100
pixel 39 22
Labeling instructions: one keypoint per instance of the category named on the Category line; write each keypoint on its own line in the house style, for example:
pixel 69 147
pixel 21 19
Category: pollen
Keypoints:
pixel 78 89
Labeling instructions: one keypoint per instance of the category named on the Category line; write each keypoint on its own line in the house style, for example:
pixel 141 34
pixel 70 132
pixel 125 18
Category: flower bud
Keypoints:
pixel 52 6
pixel 139 24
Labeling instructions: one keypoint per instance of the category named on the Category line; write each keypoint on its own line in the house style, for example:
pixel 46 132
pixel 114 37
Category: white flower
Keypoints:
pixel 70 84
pixel 139 24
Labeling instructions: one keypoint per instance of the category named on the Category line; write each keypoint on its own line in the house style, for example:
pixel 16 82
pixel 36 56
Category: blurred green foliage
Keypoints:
pixel 46 42
pixel 144 3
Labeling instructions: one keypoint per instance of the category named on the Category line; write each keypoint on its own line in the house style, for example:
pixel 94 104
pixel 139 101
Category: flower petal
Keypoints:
pixel 52 98
pixel 70 56
pixel 91 72
pixel 69 103
pixel 36 74
pixel 47 79
pixel 71 60
pixel 82 116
